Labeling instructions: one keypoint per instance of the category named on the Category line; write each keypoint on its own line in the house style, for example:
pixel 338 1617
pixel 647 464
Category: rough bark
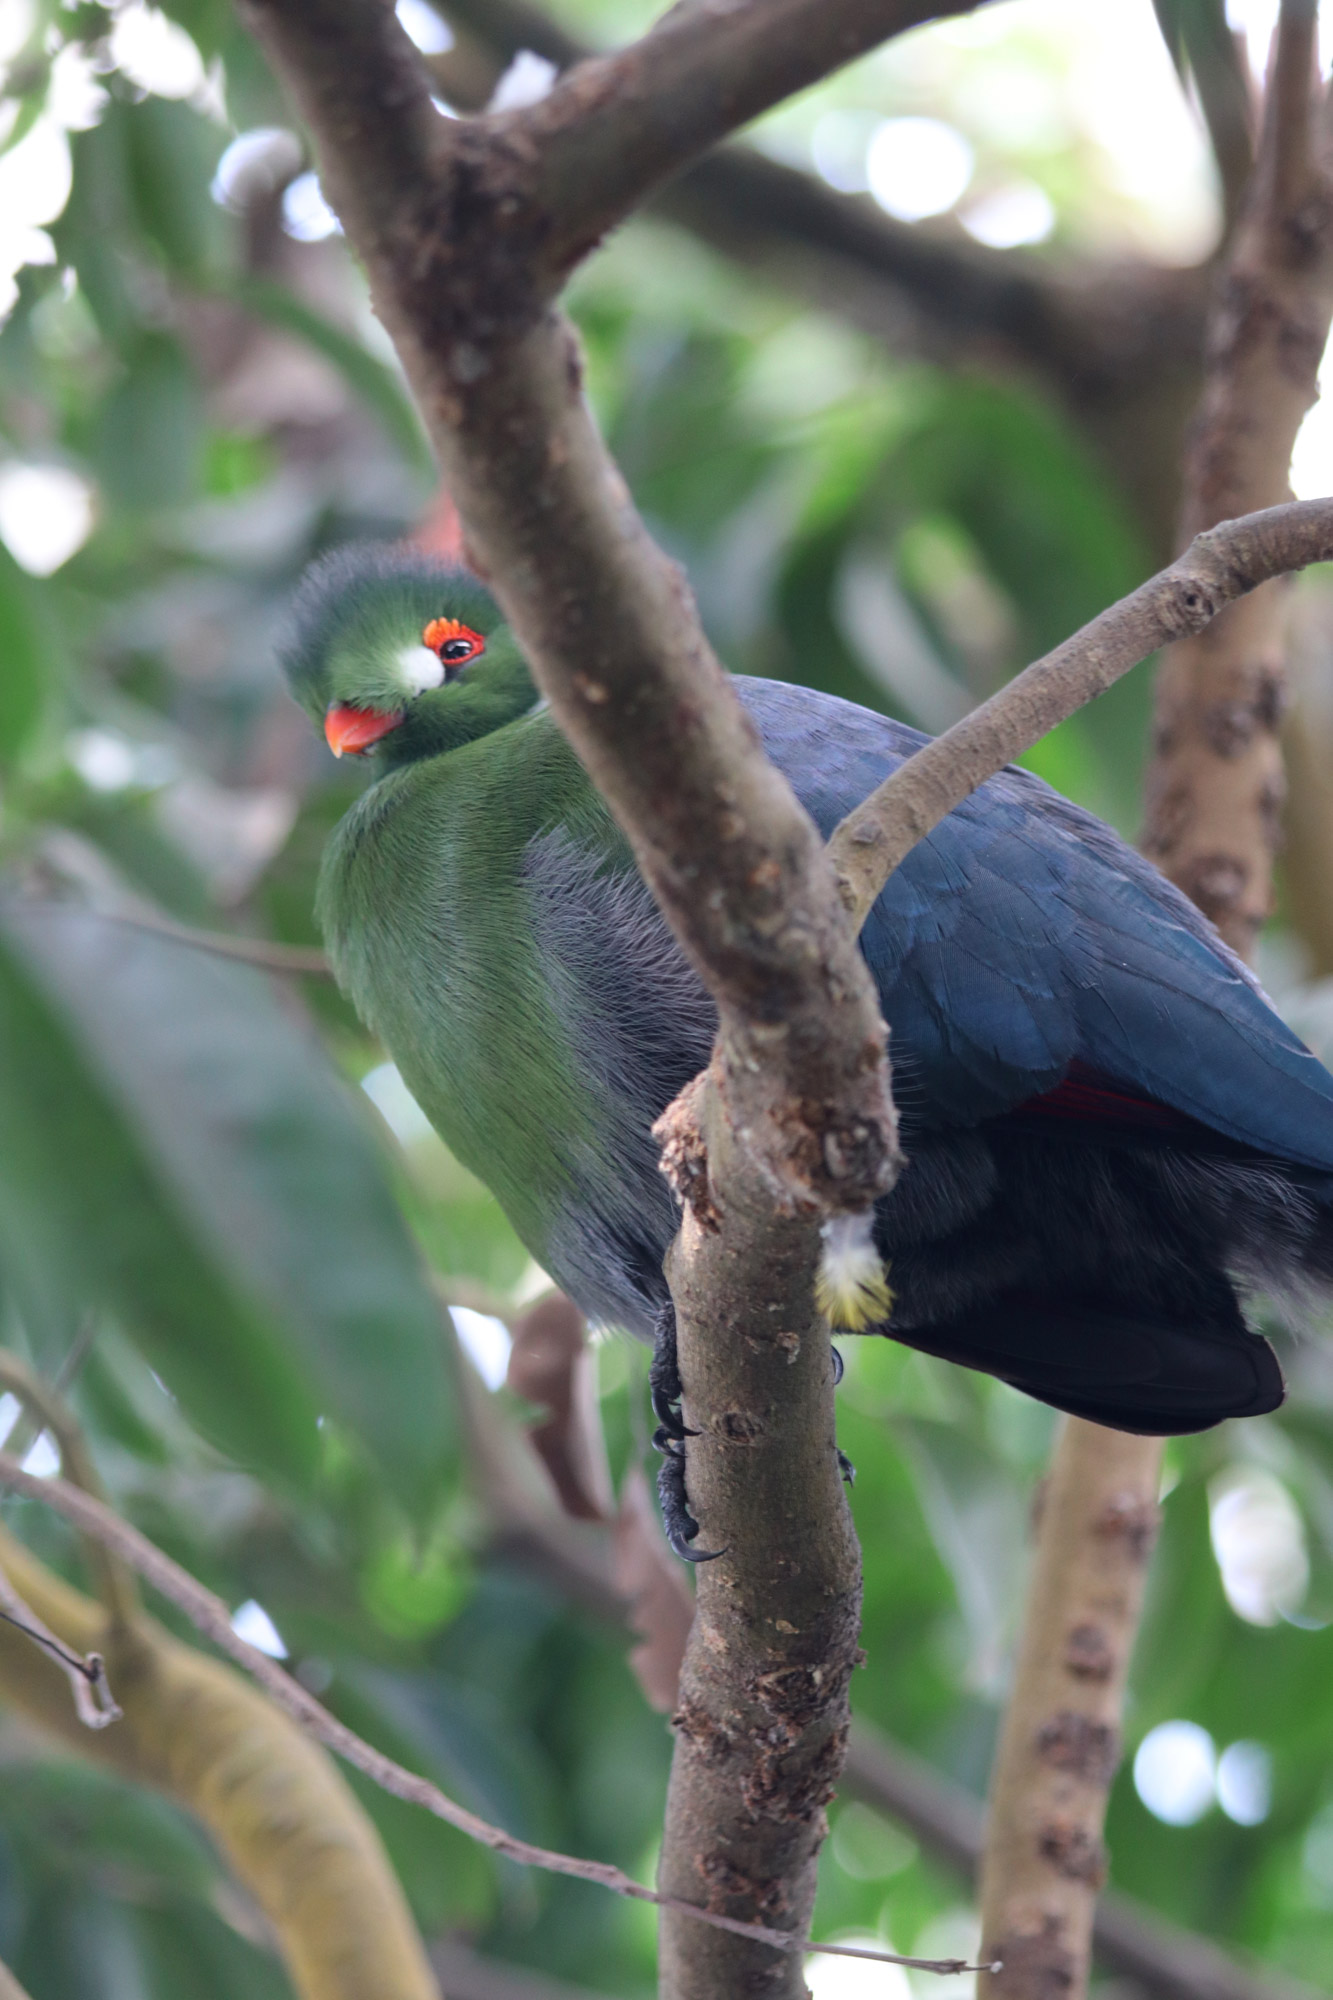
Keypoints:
pixel 466 228
pixel 1164 1959
pixel 1215 786
pixel 1214 790
pixel 607 621
pixel 1060 1744
pixel 762 1717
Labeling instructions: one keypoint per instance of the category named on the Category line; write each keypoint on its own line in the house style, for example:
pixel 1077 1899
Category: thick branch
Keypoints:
pixel 1220 566
pixel 209 1616
pixel 1215 785
pixel 762 1715
pixel 1118 344
pixel 620 125
pixel 606 620
pixel 1060 1745
pixel 1167 1961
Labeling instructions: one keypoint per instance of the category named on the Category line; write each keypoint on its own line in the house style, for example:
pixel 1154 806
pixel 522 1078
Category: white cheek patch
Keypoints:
pixel 419 669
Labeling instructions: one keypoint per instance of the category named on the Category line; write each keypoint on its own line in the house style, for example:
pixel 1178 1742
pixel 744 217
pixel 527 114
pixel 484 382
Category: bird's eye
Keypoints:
pixel 452 642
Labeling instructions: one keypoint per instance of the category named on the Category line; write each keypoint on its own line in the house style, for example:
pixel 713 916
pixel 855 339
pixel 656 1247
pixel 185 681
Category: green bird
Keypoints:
pixel 1111 1135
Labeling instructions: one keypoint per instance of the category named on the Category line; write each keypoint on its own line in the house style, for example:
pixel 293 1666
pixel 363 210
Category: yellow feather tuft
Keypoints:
pixel 852 1284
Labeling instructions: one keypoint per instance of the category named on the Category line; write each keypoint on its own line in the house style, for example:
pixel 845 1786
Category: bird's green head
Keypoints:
pixel 391 650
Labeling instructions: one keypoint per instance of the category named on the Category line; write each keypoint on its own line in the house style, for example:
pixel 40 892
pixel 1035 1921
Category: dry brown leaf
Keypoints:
pixel 661 1603
pixel 550 1365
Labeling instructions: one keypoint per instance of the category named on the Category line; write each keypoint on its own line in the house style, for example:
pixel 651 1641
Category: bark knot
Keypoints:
pixel 1037 1964
pixel 693 1721
pixel 1089 1655
pixel 1075 1743
pixel 740 1427
pixel 1073 1851
pixel 1129 1518
pixel 684 1158
pixel 1217 882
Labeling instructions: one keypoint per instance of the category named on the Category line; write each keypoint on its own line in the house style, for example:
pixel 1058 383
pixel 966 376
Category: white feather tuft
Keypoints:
pixel 852 1285
pixel 420 669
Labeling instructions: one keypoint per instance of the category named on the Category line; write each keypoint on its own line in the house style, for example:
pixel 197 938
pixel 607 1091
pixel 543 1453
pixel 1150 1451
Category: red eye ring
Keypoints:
pixel 452 642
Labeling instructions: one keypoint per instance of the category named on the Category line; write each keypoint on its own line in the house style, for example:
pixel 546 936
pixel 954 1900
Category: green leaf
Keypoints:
pixel 171 152
pixel 88 1216
pixel 183 1150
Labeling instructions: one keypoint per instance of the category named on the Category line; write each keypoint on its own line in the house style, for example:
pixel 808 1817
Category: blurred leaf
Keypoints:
pixel 208 1174
pixel 148 439
pixel 86 1215
pixel 31 658
pixel 95 235
pixel 1207 49
pixel 170 156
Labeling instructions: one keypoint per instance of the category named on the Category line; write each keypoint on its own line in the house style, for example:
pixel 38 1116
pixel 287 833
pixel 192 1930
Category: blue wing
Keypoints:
pixel 1023 936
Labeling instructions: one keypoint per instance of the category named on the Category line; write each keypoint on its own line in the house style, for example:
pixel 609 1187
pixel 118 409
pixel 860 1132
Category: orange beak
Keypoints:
pixel 351 730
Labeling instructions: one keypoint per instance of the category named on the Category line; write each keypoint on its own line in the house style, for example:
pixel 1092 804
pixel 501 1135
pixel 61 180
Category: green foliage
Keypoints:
pixel 203 1227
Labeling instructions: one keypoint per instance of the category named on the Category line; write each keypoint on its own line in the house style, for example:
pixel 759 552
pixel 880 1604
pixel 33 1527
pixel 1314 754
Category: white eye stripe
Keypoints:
pixel 420 669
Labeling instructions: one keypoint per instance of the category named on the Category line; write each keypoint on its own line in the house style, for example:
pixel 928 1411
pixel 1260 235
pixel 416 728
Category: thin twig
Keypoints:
pixel 210 1616
pixel 293 960
pixel 116 1586
pixel 26 1430
pixel 85 1672
pixel 1220 565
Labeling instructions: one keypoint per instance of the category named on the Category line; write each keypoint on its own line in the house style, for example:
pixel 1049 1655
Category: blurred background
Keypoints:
pixel 903 384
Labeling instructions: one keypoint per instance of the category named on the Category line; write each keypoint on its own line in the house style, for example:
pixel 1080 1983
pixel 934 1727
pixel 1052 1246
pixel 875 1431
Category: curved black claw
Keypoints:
pixel 680 1525
pixel 846 1468
pixel 669 1438
pixel 664 1378
pixel 837 1366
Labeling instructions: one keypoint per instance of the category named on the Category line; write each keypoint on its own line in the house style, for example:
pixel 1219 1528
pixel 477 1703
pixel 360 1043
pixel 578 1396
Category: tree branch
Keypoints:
pixel 606 620
pixel 1168 1961
pixel 115 1584
pixel 282 1816
pixel 1216 778
pixel 618 126
pixel 209 1615
pixel 1220 566
pixel 1044 1861
pixel 1118 344
pixel 1215 785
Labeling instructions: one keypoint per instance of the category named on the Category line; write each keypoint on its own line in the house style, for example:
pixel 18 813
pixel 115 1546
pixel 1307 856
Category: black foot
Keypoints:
pixel 664 1377
pixel 837 1366
pixel 669 1438
pixel 846 1468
